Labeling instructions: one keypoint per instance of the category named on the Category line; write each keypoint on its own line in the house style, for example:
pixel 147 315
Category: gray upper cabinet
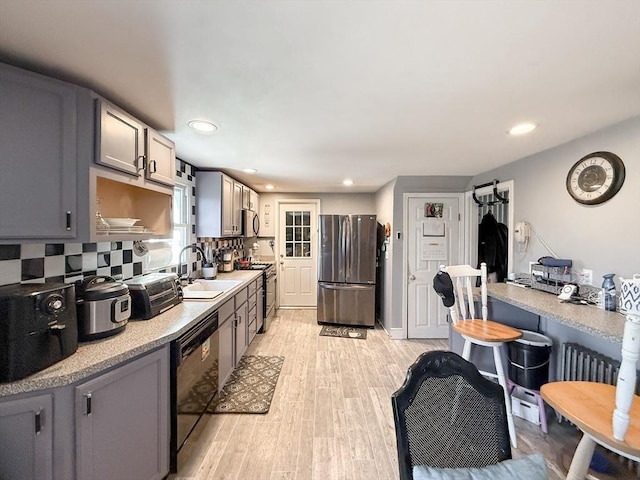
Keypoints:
pixel 237 208
pixel 128 145
pixel 122 421
pixel 38 141
pixel 120 142
pixel 219 205
pixel 26 438
pixel 161 158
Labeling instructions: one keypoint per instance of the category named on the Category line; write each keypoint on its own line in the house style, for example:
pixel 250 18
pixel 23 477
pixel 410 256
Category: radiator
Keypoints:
pixel 580 363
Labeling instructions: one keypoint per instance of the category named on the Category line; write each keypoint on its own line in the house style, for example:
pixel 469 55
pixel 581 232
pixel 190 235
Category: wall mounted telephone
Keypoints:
pixel 522 232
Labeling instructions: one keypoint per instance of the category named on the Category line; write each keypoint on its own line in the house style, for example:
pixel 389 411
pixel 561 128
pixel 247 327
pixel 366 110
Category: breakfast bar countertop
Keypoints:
pixel 586 318
pixel 139 337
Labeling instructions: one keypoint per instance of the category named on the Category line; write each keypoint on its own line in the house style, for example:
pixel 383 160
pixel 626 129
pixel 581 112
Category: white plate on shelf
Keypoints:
pixel 106 229
pixel 121 222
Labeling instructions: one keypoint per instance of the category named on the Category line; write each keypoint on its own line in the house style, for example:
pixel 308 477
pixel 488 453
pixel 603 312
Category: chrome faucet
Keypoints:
pixel 204 259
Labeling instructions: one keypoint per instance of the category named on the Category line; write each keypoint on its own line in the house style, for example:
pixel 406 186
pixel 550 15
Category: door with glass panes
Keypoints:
pixel 297 250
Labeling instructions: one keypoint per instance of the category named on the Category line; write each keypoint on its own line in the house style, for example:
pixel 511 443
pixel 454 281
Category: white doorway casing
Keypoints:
pixel 472 222
pixel 424 316
pixel 297 274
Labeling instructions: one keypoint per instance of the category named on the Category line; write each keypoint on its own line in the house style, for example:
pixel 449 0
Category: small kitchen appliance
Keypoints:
pixel 250 223
pixel 38 327
pixel 153 294
pixel 103 306
pixel 227 262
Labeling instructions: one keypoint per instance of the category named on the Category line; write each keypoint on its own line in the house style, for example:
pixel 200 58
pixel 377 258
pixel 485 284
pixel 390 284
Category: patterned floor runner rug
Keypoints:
pixel 250 387
pixel 343 332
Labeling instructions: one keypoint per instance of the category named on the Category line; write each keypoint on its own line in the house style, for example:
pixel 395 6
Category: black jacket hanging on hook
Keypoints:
pixel 493 246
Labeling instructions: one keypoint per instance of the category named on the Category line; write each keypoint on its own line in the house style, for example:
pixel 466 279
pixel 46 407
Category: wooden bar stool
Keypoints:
pixel 453 284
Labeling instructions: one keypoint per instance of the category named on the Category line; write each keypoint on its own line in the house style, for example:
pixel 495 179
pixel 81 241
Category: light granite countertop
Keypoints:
pixel 586 318
pixel 140 336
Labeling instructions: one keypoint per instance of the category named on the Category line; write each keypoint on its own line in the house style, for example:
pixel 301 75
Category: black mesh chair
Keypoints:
pixel 447 415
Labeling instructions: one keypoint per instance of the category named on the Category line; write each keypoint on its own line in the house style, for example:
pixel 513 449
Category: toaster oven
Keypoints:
pixel 153 294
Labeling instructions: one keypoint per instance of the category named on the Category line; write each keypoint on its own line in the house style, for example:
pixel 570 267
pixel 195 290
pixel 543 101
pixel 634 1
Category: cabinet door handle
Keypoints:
pixel 38 421
pixel 68 219
pixel 153 167
pixel 142 159
pixel 88 401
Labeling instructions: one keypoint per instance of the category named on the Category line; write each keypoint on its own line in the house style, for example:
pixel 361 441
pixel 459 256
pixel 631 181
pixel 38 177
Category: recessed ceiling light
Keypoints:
pixel 202 126
pixel 249 170
pixel 348 182
pixel 269 187
pixel 522 128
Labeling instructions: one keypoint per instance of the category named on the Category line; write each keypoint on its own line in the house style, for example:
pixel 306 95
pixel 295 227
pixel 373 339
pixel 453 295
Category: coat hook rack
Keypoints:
pixel 499 198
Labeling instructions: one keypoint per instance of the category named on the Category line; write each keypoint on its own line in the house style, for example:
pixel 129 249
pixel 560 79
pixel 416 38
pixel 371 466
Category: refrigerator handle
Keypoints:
pixel 347 251
pixel 350 286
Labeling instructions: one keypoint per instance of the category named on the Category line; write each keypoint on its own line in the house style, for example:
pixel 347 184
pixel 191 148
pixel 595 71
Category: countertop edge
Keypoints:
pixel 601 323
pixel 138 338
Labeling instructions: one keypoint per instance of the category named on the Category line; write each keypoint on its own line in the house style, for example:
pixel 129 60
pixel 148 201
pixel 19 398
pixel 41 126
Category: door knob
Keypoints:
pixel 412 277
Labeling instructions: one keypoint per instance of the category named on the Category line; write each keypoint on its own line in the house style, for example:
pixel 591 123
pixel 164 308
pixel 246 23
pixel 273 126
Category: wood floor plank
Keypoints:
pixel 306 459
pixel 287 442
pixel 331 416
pixel 229 467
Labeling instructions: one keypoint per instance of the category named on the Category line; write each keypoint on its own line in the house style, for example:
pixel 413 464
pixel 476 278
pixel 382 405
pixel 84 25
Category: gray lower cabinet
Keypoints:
pixel 122 421
pixel 226 337
pixel 260 308
pixel 252 306
pixel 242 325
pixel 38 153
pixel 26 438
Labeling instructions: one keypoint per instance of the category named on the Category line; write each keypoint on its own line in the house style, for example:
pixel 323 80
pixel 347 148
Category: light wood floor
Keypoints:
pixel 331 417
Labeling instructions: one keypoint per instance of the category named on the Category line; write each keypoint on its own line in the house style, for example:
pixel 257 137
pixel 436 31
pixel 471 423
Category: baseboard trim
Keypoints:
pixel 395 333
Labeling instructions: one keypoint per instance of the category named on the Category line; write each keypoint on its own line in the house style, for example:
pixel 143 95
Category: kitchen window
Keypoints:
pixel 298 234
pixel 181 220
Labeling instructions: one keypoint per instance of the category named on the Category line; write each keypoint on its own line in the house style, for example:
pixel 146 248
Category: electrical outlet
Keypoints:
pixel 586 277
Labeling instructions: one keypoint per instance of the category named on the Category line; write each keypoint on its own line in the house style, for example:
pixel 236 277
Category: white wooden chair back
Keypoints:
pixel 464 279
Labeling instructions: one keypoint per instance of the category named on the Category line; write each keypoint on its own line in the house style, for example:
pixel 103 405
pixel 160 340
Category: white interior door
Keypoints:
pixel 297 249
pixel 433 239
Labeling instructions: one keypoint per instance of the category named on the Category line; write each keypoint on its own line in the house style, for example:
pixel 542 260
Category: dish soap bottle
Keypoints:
pixel 609 292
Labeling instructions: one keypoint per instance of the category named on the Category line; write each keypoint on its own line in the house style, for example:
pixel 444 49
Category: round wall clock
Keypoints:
pixel 595 178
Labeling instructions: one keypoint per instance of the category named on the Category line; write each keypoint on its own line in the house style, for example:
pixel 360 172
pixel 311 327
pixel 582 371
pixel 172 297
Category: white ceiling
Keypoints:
pixel 310 92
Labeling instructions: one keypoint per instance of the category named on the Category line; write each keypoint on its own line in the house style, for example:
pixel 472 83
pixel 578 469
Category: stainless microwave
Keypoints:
pixel 250 223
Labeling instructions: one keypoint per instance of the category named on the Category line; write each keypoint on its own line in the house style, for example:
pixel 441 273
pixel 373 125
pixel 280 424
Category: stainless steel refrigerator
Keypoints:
pixel 347 269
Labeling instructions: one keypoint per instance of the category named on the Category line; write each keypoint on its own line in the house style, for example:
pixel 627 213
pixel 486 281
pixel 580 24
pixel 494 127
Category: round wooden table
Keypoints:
pixel 590 406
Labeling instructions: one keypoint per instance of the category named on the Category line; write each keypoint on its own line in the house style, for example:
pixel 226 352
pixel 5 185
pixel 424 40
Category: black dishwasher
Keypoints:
pixel 194 380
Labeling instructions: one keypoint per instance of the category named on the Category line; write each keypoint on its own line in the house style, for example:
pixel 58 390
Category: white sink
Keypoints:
pixel 207 289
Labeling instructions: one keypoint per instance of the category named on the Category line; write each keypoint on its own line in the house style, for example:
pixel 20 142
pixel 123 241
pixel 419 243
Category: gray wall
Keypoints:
pixel 385 202
pixel 330 203
pixel 384 212
pixel 603 238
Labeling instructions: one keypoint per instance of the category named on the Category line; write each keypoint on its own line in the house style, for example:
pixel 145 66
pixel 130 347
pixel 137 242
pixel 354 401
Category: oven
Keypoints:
pixel 194 380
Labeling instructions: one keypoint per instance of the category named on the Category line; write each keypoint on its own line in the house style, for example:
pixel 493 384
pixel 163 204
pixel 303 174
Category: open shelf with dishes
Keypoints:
pixel 124 211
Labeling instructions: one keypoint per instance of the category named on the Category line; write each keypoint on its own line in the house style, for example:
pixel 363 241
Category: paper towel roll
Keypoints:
pixel 160 255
